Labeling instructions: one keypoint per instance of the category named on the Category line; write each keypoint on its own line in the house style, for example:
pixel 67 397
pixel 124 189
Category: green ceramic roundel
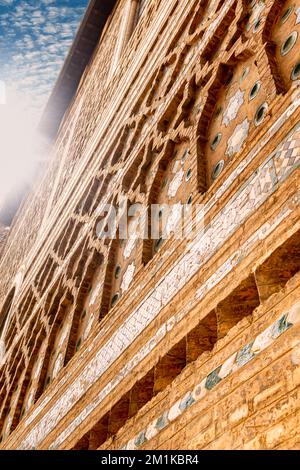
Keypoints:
pixel 117 272
pixel 260 114
pixel 254 90
pixel 216 140
pixel 245 73
pixel 78 344
pixel 256 25
pixel 296 72
pixel 159 244
pixel 289 43
pixel 286 15
pixel 218 168
pixel 188 174
pixel 115 299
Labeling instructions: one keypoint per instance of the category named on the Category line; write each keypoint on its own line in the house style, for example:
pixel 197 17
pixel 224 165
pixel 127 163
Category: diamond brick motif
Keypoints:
pixel 288 158
pixel 186 402
pixel 245 355
pixel 141 439
pixel 162 421
pixel 280 327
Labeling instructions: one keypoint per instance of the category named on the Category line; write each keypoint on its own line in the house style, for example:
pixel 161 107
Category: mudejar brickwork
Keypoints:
pixel 189 343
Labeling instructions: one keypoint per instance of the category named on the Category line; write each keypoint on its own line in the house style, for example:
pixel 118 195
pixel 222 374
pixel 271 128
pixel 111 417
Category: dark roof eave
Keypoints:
pixel 82 49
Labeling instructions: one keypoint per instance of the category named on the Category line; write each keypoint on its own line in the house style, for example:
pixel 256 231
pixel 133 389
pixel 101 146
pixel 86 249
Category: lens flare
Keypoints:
pixel 20 143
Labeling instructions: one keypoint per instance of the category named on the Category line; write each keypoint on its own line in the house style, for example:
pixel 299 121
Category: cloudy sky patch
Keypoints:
pixel 35 37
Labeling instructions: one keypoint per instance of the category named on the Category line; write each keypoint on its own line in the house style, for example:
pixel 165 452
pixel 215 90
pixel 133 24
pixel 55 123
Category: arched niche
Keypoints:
pixel 236 105
pixel 86 303
pixel 60 313
pixel 9 410
pixel 124 257
pixel 283 34
pixel 171 183
pixel 28 397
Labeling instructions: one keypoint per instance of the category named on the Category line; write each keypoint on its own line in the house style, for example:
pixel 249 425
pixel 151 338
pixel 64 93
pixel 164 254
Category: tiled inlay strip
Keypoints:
pixel 235 362
pixel 251 196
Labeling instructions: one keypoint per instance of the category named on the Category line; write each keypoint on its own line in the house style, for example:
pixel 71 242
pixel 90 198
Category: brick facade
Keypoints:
pixel 3 236
pixel 144 344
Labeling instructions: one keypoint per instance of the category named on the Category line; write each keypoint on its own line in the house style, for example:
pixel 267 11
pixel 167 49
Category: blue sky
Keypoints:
pixel 34 39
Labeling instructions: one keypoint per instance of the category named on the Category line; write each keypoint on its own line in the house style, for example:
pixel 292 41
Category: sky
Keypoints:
pixel 35 37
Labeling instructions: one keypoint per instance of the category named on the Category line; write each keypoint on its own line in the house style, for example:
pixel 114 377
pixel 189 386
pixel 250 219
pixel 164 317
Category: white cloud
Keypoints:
pixel 36 38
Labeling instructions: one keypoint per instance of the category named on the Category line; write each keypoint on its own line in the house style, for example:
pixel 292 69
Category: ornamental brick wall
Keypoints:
pixel 189 343
pixel 3 236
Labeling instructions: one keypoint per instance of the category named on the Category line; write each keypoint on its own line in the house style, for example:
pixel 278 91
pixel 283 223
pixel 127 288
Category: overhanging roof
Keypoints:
pixel 81 51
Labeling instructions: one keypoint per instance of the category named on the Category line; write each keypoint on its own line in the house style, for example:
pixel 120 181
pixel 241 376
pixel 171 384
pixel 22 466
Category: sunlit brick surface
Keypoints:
pixel 186 343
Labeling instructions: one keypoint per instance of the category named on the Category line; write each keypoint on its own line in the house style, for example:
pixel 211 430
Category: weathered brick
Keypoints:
pixel 266 395
pixel 239 414
pixel 274 436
